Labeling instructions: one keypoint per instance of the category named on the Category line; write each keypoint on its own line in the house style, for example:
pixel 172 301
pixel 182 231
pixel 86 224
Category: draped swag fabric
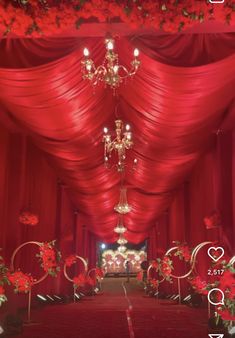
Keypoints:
pixel 181 95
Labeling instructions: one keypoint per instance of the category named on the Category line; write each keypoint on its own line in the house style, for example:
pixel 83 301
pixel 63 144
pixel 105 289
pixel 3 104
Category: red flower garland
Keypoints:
pixel 50 258
pixel 183 251
pixel 22 282
pixel 69 261
pixel 37 18
pixel 166 267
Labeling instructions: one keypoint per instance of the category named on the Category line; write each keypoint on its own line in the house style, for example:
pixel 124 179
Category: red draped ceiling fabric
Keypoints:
pixel 181 95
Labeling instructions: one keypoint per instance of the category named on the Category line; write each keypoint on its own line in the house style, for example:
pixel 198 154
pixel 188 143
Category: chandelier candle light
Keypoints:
pixel 120 229
pixel 110 72
pixel 122 207
pixel 121 143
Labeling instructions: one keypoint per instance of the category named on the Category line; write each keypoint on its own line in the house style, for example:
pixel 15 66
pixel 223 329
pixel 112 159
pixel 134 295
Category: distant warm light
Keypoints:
pixel 85 52
pixel 1 329
pixel 103 246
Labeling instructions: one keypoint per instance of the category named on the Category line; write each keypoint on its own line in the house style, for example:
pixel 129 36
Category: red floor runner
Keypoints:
pixel 105 316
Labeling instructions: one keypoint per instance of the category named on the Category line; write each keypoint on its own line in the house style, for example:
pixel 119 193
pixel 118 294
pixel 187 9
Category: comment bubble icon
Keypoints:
pixel 210 295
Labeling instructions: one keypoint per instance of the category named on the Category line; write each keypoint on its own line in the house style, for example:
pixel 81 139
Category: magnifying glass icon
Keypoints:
pixel 219 302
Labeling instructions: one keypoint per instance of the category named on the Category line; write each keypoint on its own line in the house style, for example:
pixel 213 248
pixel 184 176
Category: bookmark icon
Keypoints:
pixel 216 335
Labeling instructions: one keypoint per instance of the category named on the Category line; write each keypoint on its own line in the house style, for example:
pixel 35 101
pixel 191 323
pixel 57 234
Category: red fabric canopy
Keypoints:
pixel 175 105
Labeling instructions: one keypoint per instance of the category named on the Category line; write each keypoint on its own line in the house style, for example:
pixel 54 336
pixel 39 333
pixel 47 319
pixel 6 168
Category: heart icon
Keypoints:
pixel 215 253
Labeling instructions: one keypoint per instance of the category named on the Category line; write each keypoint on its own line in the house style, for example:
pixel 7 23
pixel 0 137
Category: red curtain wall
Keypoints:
pixel 28 182
pixel 209 187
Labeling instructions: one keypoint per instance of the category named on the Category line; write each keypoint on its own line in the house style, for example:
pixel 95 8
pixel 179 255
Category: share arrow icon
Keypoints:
pixel 216 335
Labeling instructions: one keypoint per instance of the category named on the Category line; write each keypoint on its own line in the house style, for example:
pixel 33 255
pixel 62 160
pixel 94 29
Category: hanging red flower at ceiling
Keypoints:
pixel 36 17
pixel 213 220
pixel 28 218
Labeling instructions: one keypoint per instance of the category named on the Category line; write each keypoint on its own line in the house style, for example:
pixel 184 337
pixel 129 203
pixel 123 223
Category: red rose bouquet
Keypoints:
pixel 49 257
pixel 79 280
pixel 22 282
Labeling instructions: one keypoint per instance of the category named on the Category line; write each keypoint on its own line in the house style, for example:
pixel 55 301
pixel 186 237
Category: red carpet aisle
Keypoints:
pixel 152 318
pixel 104 316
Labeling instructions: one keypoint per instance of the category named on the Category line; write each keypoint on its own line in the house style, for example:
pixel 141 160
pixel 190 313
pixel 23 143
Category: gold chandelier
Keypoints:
pixel 121 240
pixel 120 229
pixel 121 143
pixel 110 72
pixel 122 207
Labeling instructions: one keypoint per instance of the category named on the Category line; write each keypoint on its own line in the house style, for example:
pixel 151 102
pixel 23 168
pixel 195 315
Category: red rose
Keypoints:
pixel 225 314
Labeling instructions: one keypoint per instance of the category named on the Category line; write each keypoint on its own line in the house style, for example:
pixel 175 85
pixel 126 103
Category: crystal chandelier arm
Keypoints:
pixel 134 67
pixel 120 67
pixel 101 70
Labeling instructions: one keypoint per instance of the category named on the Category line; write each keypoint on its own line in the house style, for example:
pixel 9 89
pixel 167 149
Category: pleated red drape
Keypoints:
pixel 174 112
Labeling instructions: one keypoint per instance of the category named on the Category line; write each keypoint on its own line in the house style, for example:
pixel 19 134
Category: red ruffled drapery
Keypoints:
pixel 175 104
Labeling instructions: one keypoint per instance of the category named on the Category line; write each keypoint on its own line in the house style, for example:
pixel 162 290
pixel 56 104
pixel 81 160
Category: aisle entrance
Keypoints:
pixel 122 310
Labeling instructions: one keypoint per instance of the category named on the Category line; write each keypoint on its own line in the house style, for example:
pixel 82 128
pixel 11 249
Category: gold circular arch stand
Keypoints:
pixel 70 279
pixel 159 281
pixel 195 252
pixel 12 268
